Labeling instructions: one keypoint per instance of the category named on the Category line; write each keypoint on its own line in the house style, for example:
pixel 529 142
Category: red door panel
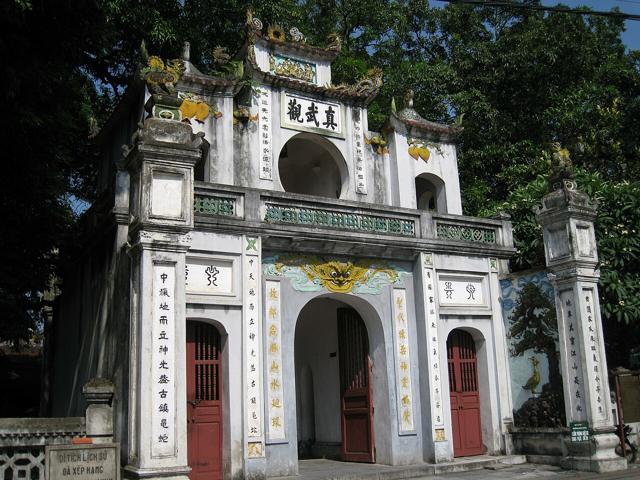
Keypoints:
pixel 204 402
pixel 355 388
pixel 464 394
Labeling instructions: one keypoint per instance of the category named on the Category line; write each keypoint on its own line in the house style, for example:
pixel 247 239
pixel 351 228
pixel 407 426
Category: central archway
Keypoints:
pixel 311 165
pixel 340 375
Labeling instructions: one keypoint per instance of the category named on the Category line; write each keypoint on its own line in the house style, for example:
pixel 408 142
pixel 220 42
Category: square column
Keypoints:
pixel 160 164
pixel 571 253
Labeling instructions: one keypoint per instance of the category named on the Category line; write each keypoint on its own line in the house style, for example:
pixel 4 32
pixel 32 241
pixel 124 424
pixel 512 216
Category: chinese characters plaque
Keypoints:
pixel 574 362
pixel 264 131
pixel 163 362
pixel 358 151
pixel 306 114
pixel 253 336
pixel 275 399
pixel 403 360
pixel 431 318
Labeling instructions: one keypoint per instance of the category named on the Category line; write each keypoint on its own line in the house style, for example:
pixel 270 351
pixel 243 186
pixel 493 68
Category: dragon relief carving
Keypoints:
pixel 309 273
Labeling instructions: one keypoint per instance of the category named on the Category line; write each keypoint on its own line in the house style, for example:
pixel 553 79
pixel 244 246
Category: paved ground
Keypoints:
pixel 528 471
pixel 321 469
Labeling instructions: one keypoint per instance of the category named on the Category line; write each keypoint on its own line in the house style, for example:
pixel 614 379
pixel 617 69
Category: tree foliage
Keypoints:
pixel 516 80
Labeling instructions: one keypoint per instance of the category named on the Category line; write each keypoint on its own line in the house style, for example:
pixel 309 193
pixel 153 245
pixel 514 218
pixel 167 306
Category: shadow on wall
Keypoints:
pixel 530 318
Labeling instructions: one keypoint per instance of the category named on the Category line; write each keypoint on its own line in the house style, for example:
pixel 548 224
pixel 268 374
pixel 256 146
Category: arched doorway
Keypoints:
pixel 464 394
pixel 204 401
pixel 334 391
pixel 430 193
pixel 311 165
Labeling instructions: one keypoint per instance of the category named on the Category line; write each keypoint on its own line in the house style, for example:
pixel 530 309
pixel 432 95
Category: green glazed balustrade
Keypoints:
pixel 342 221
pixel 468 234
pixel 214 206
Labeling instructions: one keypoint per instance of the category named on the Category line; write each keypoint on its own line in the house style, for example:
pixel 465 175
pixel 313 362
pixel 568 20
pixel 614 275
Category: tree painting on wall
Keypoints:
pixel 533 334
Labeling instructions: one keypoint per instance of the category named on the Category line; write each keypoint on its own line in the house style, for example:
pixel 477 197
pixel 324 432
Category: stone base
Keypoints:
pixel 176 473
pixel 598 455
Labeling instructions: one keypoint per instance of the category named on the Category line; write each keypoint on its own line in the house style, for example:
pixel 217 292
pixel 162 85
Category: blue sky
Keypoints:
pixel 631 37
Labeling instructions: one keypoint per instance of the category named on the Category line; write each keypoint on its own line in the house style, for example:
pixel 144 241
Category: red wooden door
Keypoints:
pixel 355 388
pixel 463 391
pixel 204 402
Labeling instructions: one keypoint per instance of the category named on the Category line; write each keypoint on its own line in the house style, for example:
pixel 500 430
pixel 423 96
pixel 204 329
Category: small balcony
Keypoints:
pixel 294 222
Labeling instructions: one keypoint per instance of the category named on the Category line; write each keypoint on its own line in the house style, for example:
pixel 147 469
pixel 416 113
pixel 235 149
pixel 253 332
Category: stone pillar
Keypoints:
pixel 98 393
pixel 567 217
pixel 160 164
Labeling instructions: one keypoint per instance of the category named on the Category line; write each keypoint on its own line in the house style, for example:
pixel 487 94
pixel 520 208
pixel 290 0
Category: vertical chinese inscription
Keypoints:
pixel 275 399
pixel 403 360
pixel 162 361
pixel 358 150
pixel 592 356
pixel 431 318
pixel 264 129
pixel 574 362
pixel 253 333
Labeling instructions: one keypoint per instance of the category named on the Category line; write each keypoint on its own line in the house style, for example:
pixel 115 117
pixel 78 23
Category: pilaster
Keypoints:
pixel 160 162
pixel 567 217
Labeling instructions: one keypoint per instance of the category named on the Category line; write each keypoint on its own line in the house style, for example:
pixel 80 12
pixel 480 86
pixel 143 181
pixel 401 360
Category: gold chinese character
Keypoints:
pixel 273 293
pixel 273 312
pixel 406 400
pixel 403 349
pixel 401 317
pixel 273 348
pixel 275 403
pixel 275 368
pixel 275 422
pixel 402 334
pixel 406 416
pixel 399 302
pixel 275 384
pixel 404 366
pixel 273 331
pixel 405 382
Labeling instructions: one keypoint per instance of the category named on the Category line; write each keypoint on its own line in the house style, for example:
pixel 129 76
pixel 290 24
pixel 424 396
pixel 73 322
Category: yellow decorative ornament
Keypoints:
pixel 378 143
pixel 419 150
pixel 155 63
pixel 276 33
pixel 188 108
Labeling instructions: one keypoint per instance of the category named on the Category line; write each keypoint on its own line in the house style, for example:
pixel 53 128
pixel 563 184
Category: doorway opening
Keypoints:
pixel 430 193
pixel 334 391
pixel 464 394
pixel 204 401
pixel 311 165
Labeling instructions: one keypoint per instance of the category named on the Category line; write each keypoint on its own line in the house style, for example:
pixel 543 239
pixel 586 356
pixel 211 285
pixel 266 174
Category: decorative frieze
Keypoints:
pixel 338 220
pixel 264 132
pixel 465 233
pixel 358 151
pixel 275 396
pixel 163 373
pixel 253 340
pixel 312 115
pixel 292 67
pixel 309 273
pixel 404 395
pixel 214 205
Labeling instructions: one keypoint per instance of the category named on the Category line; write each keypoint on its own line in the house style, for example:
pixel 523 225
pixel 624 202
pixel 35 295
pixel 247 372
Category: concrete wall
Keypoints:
pixel 90 331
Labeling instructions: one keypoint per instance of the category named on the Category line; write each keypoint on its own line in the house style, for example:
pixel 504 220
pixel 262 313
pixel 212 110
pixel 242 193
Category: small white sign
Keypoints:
pixel 166 194
pixel 209 276
pixel 460 291
pixel 309 114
